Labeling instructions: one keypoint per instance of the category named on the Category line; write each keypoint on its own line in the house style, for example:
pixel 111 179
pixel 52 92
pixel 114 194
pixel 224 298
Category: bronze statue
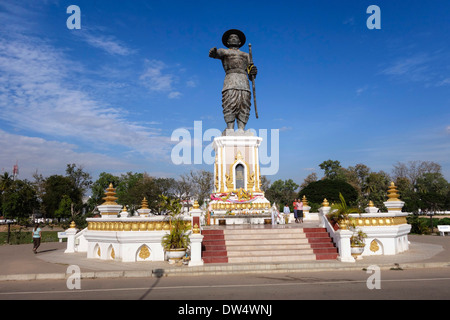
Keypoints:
pixel 239 68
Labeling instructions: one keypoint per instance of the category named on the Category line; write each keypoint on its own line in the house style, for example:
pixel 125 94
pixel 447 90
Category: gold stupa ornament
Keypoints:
pixel 371 205
pixel 325 203
pixel 393 193
pixel 110 193
pixel 144 204
pixel 304 200
pixel 196 205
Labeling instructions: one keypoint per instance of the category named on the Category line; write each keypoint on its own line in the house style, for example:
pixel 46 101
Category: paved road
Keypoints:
pixel 394 284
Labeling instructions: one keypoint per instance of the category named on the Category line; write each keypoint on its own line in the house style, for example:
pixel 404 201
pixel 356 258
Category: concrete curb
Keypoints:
pixel 222 270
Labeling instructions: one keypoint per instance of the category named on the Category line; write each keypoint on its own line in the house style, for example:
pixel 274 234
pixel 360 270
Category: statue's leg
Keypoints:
pixel 229 108
pixel 244 102
pixel 240 124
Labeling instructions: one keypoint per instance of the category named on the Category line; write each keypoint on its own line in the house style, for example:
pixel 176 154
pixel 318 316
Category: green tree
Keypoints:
pixel 332 168
pixel 312 177
pixel 65 208
pixel 282 192
pixel 5 182
pixel 19 200
pixel 203 184
pixel 81 179
pixel 376 187
pixel 98 189
pixel 316 191
pixel 432 182
pixel 56 187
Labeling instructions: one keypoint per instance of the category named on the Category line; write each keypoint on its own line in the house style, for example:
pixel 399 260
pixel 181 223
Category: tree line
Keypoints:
pixel 75 195
pixel 421 185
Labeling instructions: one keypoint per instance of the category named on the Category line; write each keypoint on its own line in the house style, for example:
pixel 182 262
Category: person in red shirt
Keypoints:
pixel 295 210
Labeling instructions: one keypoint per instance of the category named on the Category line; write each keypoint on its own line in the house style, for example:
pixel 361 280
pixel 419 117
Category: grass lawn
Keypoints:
pixel 25 236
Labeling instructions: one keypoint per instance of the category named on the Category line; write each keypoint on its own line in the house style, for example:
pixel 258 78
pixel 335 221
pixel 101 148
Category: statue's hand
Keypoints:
pixel 253 71
pixel 213 52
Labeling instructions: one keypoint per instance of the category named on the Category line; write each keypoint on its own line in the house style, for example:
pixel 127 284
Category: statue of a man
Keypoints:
pixel 236 94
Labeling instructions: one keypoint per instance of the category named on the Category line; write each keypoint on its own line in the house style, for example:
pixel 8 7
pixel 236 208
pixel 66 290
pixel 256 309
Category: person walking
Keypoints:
pixel 37 233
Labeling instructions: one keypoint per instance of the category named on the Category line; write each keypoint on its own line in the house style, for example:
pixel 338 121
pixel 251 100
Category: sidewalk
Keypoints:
pixel 18 262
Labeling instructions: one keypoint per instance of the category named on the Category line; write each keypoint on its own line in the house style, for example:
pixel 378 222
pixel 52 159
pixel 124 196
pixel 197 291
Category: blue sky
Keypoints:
pixel 109 96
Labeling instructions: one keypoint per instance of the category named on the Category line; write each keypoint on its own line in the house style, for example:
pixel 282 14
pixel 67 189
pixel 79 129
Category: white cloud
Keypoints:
pixel 444 82
pixel 411 65
pixel 107 43
pixel 174 95
pixel 428 68
pixel 37 94
pixel 49 157
pixel 156 78
pixel 359 91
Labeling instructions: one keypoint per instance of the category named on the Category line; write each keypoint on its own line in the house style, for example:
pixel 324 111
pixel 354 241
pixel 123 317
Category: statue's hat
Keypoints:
pixel 239 33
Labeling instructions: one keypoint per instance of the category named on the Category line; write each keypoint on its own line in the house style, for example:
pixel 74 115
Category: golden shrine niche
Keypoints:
pixel 237 176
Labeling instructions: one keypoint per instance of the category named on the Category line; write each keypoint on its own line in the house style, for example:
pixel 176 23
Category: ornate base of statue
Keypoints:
pixel 237 196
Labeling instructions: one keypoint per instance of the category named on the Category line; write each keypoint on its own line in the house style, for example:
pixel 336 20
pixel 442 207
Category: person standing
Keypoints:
pixel 286 212
pixel 295 210
pixel 300 210
pixel 274 213
pixel 37 234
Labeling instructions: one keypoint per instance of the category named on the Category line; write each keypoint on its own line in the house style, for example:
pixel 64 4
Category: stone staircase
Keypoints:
pixel 264 245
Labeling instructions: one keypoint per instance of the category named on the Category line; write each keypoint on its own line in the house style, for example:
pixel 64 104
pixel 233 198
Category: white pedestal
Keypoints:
pixel 71 232
pixel 196 250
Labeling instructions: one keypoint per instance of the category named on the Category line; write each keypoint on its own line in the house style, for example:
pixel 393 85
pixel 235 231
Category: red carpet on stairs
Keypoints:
pixel 266 245
pixel 214 249
pixel 321 243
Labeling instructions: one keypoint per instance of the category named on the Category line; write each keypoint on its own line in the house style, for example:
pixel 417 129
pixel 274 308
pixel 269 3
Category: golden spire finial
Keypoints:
pixel 72 225
pixel 144 204
pixel 110 193
pixel 393 193
pixel 304 200
pixel 195 206
pixel 325 203
pixel 371 204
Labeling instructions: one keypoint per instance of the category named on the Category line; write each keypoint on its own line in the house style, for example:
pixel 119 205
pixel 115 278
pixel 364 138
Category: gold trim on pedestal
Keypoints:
pixel 374 247
pixel 374 222
pixel 250 180
pixel 144 253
